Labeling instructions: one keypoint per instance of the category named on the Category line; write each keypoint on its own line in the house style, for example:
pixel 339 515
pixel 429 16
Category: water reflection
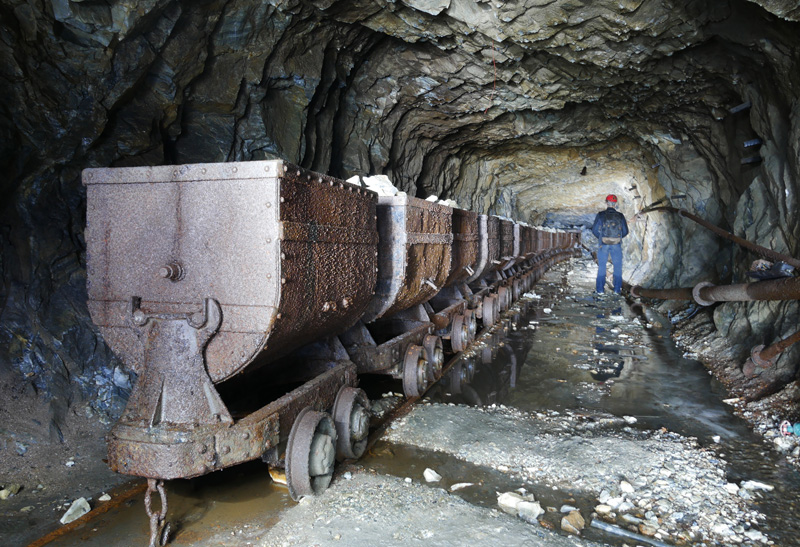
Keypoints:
pixel 597 354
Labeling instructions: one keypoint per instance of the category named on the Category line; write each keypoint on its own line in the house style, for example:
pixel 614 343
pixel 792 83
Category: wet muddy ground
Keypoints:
pixel 585 408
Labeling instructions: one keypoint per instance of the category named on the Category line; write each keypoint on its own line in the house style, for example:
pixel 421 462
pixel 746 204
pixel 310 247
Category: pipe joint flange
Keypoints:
pixel 696 293
pixel 635 291
pixel 755 355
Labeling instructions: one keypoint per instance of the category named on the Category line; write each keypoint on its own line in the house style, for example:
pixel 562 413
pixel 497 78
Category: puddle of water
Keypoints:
pixel 226 502
pixel 589 353
pixel 405 461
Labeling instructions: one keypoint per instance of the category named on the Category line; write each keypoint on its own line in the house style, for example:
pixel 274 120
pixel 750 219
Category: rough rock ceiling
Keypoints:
pixel 411 89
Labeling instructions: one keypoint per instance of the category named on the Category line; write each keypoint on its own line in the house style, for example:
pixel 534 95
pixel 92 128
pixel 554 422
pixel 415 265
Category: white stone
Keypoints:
pixel 783 444
pixel 732 488
pixel 78 508
pixel 104 497
pixel 460 485
pixel 630 419
pixel 755 485
pixel 431 475
pixel 529 510
pixel 508 502
pixel 755 535
pixel 626 487
pixel 615 502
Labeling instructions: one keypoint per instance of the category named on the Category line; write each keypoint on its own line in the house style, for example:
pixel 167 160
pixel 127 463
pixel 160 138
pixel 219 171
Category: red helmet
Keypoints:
pixel 611 197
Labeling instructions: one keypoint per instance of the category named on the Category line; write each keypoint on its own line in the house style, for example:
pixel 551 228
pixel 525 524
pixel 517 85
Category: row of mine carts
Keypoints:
pixel 214 282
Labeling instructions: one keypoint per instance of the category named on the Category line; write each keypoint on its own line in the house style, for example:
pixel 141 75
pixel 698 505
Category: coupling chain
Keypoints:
pixel 159 529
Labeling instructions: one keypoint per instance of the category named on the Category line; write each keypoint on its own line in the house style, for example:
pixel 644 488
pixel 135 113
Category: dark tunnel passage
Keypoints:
pixel 527 110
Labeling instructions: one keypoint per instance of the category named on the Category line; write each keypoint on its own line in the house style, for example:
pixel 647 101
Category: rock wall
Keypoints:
pixel 497 105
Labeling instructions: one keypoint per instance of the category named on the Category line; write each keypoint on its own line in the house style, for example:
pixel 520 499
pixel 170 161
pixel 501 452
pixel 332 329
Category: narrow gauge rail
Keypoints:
pixel 262 274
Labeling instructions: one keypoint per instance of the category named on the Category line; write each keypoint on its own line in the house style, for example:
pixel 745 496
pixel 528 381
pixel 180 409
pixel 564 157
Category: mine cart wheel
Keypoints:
pixel 468 368
pixel 351 416
pixel 489 310
pixel 310 453
pixel 502 296
pixel 415 372
pixel 459 333
pixel 472 323
pixel 455 378
pixel 487 355
pixel 435 354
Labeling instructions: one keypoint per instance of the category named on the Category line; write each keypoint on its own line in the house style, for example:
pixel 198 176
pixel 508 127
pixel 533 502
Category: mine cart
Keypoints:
pixel 414 256
pixel 489 250
pixel 453 310
pixel 199 273
pixel 479 283
pixel 414 253
pixel 465 247
pixel 509 243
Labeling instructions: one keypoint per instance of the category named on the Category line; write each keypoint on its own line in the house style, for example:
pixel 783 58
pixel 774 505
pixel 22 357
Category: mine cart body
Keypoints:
pixel 509 244
pixel 414 253
pixel 198 272
pixel 488 248
pixel 465 246
pixel 528 245
pixel 289 255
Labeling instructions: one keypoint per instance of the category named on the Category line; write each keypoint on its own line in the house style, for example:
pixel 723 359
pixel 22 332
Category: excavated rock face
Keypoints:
pixel 498 105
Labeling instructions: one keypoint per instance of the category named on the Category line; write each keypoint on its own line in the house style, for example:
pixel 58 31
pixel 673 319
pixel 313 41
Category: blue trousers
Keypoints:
pixel 616 261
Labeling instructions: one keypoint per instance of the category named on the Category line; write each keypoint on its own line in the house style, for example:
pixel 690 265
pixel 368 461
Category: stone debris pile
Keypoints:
pixel 658 483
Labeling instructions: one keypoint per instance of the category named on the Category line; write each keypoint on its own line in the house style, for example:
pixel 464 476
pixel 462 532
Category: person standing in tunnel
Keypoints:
pixel 609 228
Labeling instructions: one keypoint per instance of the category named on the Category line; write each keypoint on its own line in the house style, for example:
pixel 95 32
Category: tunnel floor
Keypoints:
pixel 585 407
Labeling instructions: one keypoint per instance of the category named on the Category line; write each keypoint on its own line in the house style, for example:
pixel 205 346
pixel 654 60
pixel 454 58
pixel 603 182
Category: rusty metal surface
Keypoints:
pixel 507 241
pixel 775 289
pixel 464 261
pixel 443 319
pixel 184 450
pixel 766 356
pixel 414 253
pixel 265 239
pixel 662 294
pixel 707 293
pixel 489 251
pixel 388 357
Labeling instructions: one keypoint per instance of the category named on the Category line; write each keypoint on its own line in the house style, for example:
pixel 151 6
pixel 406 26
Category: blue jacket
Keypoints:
pixel 598 222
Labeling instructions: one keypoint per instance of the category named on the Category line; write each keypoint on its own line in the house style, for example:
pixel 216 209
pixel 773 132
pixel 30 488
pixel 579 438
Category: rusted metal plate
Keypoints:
pixel 507 243
pixel 170 451
pixel 290 255
pixel 414 253
pixel 388 357
pixel 465 246
pixel 489 249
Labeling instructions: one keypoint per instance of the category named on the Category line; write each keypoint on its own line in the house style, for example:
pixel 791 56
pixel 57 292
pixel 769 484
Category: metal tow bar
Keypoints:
pixel 159 527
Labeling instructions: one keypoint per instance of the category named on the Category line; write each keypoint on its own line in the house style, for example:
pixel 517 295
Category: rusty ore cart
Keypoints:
pixel 199 272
